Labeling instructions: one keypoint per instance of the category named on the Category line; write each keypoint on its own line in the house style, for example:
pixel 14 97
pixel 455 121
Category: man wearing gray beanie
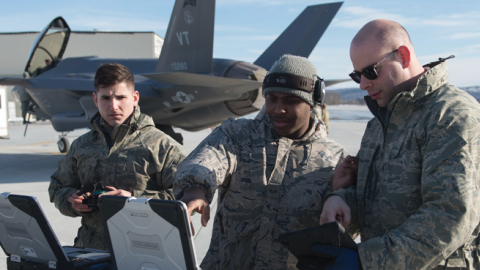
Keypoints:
pixel 271 173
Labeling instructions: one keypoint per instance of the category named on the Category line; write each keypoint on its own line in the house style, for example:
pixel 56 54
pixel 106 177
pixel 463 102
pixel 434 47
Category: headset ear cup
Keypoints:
pixel 322 91
pixel 319 92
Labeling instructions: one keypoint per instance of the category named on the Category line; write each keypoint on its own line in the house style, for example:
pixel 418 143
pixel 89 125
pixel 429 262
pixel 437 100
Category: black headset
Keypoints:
pixel 301 83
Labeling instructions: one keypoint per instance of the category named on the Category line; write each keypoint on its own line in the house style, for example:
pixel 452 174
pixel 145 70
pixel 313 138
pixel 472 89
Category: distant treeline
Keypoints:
pixel 345 96
pixel 355 95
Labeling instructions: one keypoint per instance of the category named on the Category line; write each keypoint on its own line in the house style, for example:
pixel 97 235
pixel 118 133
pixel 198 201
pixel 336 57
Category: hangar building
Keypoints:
pixel 15 48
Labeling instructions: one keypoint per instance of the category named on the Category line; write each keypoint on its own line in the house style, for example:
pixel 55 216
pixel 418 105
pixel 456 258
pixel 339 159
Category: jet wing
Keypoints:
pixel 332 82
pixel 50 83
pixel 232 88
pixel 15 81
pixel 63 83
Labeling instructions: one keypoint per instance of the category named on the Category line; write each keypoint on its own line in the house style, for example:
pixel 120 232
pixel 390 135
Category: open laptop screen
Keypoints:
pixel 148 234
pixel 25 232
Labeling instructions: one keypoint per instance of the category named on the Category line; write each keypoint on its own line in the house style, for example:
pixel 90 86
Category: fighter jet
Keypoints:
pixel 186 87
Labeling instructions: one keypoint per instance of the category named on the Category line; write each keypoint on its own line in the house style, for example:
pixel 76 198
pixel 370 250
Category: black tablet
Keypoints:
pixel 300 243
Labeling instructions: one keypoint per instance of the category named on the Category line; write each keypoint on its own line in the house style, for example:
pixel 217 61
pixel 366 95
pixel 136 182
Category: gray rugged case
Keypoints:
pixel 26 234
pixel 148 233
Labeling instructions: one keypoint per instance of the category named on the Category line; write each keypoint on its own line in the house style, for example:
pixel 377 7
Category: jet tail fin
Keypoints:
pixel 302 35
pixel 188 45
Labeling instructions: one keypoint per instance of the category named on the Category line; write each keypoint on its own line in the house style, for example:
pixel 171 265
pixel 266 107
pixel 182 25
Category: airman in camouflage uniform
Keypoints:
pixel 322 114
pixel 416 201
pixel 269 181
pixel 132 156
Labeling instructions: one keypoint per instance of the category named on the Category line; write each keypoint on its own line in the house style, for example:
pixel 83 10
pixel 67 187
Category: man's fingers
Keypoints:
pixel 84 209
pixel 75 199
pixel 117 192
pixel 190 208
pixel 205 215
pixel 202 207
pixel 327 217
pixel 323 220
pixel 346 216
pixel 352 166
pixel 81 207
pixel 335 209
pixel 111 193
pixel 351 159
pixel 339 218
pixel 349 171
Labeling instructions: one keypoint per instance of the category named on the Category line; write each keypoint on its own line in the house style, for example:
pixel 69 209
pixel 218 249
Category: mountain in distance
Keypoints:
pixel 355 95
pixel 472 90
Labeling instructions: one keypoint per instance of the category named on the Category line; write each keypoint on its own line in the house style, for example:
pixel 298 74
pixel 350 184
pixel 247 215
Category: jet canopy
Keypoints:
pixel 48 47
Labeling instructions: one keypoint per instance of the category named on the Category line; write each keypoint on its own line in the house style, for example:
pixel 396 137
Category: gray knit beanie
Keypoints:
pixel 295 65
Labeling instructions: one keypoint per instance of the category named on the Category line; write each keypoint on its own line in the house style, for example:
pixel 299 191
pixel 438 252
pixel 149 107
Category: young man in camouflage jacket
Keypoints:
pixel 416 201
pixel 271 174
pixel 124 151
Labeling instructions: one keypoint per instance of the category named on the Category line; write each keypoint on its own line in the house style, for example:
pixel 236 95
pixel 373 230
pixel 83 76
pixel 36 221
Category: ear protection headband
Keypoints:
pixel 301 83
pixel 319 91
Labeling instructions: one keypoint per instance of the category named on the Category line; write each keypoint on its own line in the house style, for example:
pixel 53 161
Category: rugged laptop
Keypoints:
pixel 148 234
pixel 28 239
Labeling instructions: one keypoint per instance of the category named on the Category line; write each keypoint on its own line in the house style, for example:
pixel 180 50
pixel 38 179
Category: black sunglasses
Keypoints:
pixel 369 72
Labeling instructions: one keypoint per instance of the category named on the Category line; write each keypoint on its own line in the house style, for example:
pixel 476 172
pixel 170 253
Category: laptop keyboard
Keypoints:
pixel 80 261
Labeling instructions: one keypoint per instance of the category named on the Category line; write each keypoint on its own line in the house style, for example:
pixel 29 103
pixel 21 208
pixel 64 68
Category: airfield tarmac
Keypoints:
pixel 26 164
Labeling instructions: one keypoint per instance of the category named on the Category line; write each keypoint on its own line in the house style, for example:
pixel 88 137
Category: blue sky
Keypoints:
pixel 245 28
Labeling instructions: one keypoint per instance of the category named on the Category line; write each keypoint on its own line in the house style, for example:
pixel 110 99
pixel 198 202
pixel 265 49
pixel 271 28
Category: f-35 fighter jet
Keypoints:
pixel 185 88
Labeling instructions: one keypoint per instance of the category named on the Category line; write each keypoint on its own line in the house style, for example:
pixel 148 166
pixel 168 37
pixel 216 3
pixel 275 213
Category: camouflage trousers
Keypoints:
pixel 88 237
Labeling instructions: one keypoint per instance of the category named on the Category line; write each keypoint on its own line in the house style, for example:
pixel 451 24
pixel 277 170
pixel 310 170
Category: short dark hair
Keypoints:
pixel 113 73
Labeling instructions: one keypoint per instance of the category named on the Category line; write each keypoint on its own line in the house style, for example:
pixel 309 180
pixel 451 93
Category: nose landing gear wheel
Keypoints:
pixel 63 145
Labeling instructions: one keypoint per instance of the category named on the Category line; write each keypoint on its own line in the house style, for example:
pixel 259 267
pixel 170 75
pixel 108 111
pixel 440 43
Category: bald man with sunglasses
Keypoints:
pixel 416 200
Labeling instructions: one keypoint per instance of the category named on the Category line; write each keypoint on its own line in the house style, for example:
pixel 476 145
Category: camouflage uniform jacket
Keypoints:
pixel 416 201
pixel 143 160
pixel 267 185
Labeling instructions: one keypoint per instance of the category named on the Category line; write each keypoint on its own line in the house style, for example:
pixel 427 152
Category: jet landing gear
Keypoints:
pixel 63 143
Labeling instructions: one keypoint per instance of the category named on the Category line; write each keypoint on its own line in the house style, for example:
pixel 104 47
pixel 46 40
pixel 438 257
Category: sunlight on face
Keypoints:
pixel 288 114
pixel 116 103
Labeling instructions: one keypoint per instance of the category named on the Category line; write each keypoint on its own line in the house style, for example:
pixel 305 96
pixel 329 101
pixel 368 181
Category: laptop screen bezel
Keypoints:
pixel 111 205
pixel 30 206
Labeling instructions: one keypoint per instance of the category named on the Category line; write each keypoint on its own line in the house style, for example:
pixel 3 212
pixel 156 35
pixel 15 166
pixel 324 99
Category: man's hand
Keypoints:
pixel 335 209
pixel 76 201
pixel 195 199
pixel 346 173
pixel 117 192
